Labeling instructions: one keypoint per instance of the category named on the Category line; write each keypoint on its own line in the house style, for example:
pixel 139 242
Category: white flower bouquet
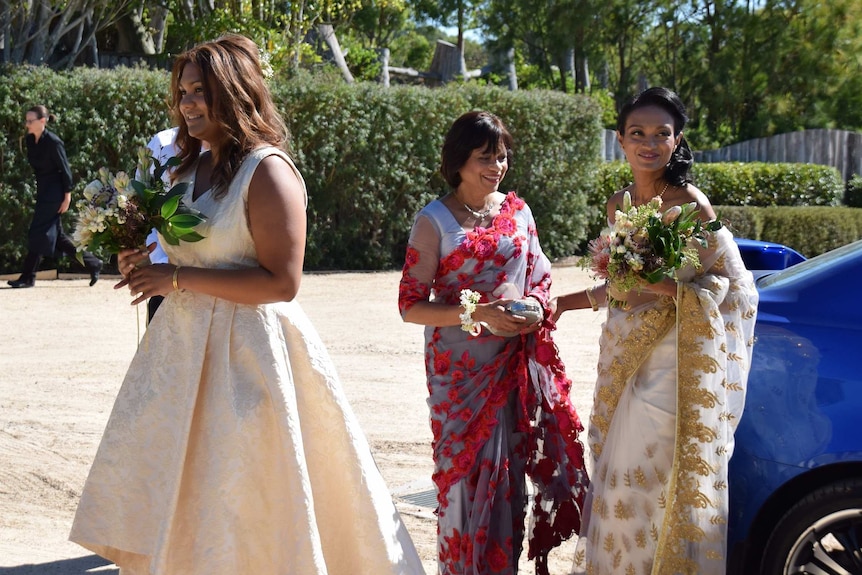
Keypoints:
pixel 646 245
pixel 118 212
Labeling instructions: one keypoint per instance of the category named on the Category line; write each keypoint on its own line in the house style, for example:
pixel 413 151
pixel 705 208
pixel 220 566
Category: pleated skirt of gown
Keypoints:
pixel 231 449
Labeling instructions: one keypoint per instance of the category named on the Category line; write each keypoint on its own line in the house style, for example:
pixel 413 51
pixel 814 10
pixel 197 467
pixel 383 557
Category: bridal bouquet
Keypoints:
pixel 646 245
pixel 118 212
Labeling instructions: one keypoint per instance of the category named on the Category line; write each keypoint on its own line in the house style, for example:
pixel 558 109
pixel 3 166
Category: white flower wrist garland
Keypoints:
pixel 469 299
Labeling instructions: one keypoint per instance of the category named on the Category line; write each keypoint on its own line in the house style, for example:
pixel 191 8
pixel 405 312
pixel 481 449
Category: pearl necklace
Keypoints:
pixel 479 215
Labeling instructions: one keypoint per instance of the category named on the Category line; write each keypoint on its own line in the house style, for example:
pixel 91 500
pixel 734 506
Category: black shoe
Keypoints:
pixel 21 283
pixel 94 274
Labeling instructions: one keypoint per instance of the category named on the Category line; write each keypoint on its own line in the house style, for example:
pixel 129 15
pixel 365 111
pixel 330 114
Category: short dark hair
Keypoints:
pixel 677 171
pixel 469 132
pixel 41 112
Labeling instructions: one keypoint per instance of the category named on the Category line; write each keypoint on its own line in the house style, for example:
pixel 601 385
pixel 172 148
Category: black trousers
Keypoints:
pixel 152 305
pixel 64 246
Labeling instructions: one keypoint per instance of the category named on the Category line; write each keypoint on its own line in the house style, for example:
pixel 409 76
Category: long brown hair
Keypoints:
pixel 239 103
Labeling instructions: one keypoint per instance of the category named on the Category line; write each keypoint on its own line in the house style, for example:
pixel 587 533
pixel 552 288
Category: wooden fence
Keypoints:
pixel 840 149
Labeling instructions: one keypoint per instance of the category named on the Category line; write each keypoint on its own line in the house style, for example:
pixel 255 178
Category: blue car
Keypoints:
pixel 796 472
pixel 760 255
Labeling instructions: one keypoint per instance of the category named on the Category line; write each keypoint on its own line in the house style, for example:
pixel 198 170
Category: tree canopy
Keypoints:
pixel 744 68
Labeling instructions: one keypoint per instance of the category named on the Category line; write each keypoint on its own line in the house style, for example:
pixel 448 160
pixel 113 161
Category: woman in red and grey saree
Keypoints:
pixel 499 395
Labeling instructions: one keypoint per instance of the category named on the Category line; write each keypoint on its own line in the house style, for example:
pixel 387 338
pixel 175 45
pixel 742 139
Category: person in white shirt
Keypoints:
pixel 162 147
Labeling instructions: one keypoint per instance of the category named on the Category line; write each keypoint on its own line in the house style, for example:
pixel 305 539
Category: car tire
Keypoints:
pixel 821 534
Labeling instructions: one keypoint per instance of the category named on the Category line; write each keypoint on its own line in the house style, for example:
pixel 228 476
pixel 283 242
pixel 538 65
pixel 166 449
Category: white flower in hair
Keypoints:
pixel 265 64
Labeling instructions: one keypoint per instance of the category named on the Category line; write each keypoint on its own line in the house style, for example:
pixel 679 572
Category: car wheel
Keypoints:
pixel 820 535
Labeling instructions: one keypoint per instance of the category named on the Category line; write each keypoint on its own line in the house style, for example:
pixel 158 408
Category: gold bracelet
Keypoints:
pixel 176 277
pixel 592 299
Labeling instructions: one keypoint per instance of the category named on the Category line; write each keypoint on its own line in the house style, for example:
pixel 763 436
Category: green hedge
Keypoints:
pixel 810 230
pixel 369 154
pixel 791 204
pixel 749 184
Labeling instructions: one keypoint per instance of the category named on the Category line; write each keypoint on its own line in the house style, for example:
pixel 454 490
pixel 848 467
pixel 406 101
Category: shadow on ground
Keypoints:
pixel 91 564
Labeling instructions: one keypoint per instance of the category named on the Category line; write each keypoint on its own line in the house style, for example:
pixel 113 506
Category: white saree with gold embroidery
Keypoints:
pixel 669 394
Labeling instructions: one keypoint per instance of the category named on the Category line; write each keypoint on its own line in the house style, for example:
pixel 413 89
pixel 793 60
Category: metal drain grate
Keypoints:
pixel 421 499
pixel 420 493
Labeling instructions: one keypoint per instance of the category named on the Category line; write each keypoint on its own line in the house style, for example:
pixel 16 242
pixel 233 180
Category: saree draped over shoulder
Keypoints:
pixel 499 406
pixel 670 391
pixel 231 448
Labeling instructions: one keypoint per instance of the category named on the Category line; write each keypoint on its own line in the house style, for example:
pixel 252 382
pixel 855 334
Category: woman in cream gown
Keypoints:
pixel 670 390
pixel 231 448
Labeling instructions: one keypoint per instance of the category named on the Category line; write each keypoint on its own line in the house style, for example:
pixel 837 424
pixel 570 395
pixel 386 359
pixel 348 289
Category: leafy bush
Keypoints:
pixel 370 157
pixel 853 192
pixel 762 184
pixel 809 230
pixel 750 184
pixel 369 154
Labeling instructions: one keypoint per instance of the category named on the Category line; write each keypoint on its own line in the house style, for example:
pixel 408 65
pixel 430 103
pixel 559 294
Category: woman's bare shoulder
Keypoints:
pixel 691 193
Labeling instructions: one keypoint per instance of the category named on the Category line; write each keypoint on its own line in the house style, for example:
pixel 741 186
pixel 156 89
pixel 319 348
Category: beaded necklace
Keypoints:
pixel 479 215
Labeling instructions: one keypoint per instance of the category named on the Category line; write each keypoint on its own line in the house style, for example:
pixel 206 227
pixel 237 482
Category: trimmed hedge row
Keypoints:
pixel 792 204
pixel 369 154
pixel 810 230
pixel 749 184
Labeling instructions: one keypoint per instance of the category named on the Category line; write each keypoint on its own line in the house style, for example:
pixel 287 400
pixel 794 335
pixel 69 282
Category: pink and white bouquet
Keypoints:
pixel 646 245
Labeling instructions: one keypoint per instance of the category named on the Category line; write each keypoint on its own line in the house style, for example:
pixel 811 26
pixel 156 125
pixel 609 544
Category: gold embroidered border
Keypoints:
pixel 656 322
pixel 690 463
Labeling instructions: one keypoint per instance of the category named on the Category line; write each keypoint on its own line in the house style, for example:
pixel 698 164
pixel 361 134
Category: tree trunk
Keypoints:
pixel 133 36
pixel 462 63
pixel 384 66
pixel 159 25
pixel 510 68
pixel 327 32
pixel 582 74
pixel 6 32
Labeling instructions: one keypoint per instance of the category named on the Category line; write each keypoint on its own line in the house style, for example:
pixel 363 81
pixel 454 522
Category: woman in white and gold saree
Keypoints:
pixel 673 366
pixel 498 394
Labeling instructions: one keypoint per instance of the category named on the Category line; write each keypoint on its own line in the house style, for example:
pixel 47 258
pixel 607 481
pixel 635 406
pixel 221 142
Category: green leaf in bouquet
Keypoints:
pixel 191 237
pixel 185 220
pixel 660 245
pixel 178 231
pixel 138 186
pixel 654 276
pixel 713 226
pixel 178 190
pixel 159 168
pixel 169 207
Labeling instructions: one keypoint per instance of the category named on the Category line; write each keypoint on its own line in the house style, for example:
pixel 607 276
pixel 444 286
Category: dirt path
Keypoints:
pixel 64 348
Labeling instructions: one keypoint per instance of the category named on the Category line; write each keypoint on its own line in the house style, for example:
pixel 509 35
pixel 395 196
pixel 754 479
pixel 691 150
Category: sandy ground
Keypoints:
pixel 64 348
